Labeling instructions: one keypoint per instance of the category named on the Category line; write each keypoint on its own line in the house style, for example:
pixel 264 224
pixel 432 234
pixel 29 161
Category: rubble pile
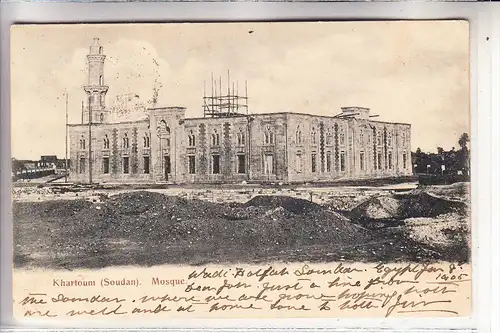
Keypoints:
pixel 401 206
pixel 455 192
pixel 18 192
pixel 344 202
pixel 294 205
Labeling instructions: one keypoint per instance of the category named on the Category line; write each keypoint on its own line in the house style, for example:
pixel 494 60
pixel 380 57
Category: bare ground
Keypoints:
pixel 95 230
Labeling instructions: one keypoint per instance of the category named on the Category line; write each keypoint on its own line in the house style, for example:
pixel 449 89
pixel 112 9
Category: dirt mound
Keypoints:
pixel 49 209
pixel 383 207
pixel 426 205
pixel 401 206
pixel 294 205
pixel 144 211
pixel 455 192
pixel 179 230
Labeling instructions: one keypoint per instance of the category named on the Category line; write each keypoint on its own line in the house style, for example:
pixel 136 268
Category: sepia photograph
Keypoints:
pixel 338 145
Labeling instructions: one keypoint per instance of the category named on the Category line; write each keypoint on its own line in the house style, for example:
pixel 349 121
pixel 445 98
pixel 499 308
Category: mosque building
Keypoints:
pixel 228 144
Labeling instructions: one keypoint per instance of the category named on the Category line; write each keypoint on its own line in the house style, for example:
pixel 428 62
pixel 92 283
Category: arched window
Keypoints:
pixel 379 138
pixel 389 139
pixel 101 80
pixel 403 139
pixel 106 141
pixel 191 139
pixel 163 132
pixel 298 136
pixel 313 135
pixel 125 141
pixel 215 138
pixel 82 143
pixel 269 136
pixel 241 137
pixel 342 137
pixel 100 50
pixel 145 141
pixel 361 137
pixel 101 117
pixel 163 128
pixel 329 137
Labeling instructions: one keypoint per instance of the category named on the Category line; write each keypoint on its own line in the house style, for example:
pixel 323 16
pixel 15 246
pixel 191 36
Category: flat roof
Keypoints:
pixel 291 113
pixel 114 123
pixel 246 115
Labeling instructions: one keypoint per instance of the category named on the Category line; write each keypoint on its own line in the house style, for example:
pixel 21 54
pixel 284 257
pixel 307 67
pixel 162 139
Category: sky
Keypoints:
pixel 410 72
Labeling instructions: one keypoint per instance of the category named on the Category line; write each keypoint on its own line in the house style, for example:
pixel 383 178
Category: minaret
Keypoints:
pixel 95 88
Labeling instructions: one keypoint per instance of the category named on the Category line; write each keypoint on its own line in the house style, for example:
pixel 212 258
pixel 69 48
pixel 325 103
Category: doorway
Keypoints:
pixel 268 164
pixel 167 166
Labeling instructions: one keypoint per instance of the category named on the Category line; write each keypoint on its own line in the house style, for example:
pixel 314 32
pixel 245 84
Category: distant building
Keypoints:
pixel 48 160
pixel 231 147
pixel 45 162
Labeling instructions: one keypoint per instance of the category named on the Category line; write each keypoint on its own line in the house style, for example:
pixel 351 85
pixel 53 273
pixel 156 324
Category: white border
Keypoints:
pixel 484 127
pixel 495 153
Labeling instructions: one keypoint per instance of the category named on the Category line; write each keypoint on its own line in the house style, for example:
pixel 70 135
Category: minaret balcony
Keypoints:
pixel 96 57
pixel 95 88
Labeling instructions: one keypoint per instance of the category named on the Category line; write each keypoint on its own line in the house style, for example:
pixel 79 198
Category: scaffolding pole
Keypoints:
pixel 66 143
pixel 90 141
pixel 219 104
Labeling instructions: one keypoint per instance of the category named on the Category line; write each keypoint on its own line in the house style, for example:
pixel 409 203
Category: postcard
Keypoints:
pixel 241 170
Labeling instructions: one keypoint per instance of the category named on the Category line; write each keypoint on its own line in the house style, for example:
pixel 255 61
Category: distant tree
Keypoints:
pixel 440 150
pixel 421 160
pixel 463 141
pixel 463 154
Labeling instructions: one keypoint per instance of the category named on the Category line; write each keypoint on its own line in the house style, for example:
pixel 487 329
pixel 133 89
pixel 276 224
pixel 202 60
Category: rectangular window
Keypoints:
pixel 146 164
pixel 105 165
pixel 241 164
pixel 328 161
pixel 125 164
pixel 268 164
pixel 192 165
pixel 390 160
pixel 404 161
pixel 82 164
pixel 379 161
pixel 342 161
pixel 361 161
pixel 313 162
pixel 215 164
pixel 298 162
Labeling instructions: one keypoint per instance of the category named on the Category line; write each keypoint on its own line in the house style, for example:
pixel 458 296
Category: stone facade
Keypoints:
pixel 272 147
